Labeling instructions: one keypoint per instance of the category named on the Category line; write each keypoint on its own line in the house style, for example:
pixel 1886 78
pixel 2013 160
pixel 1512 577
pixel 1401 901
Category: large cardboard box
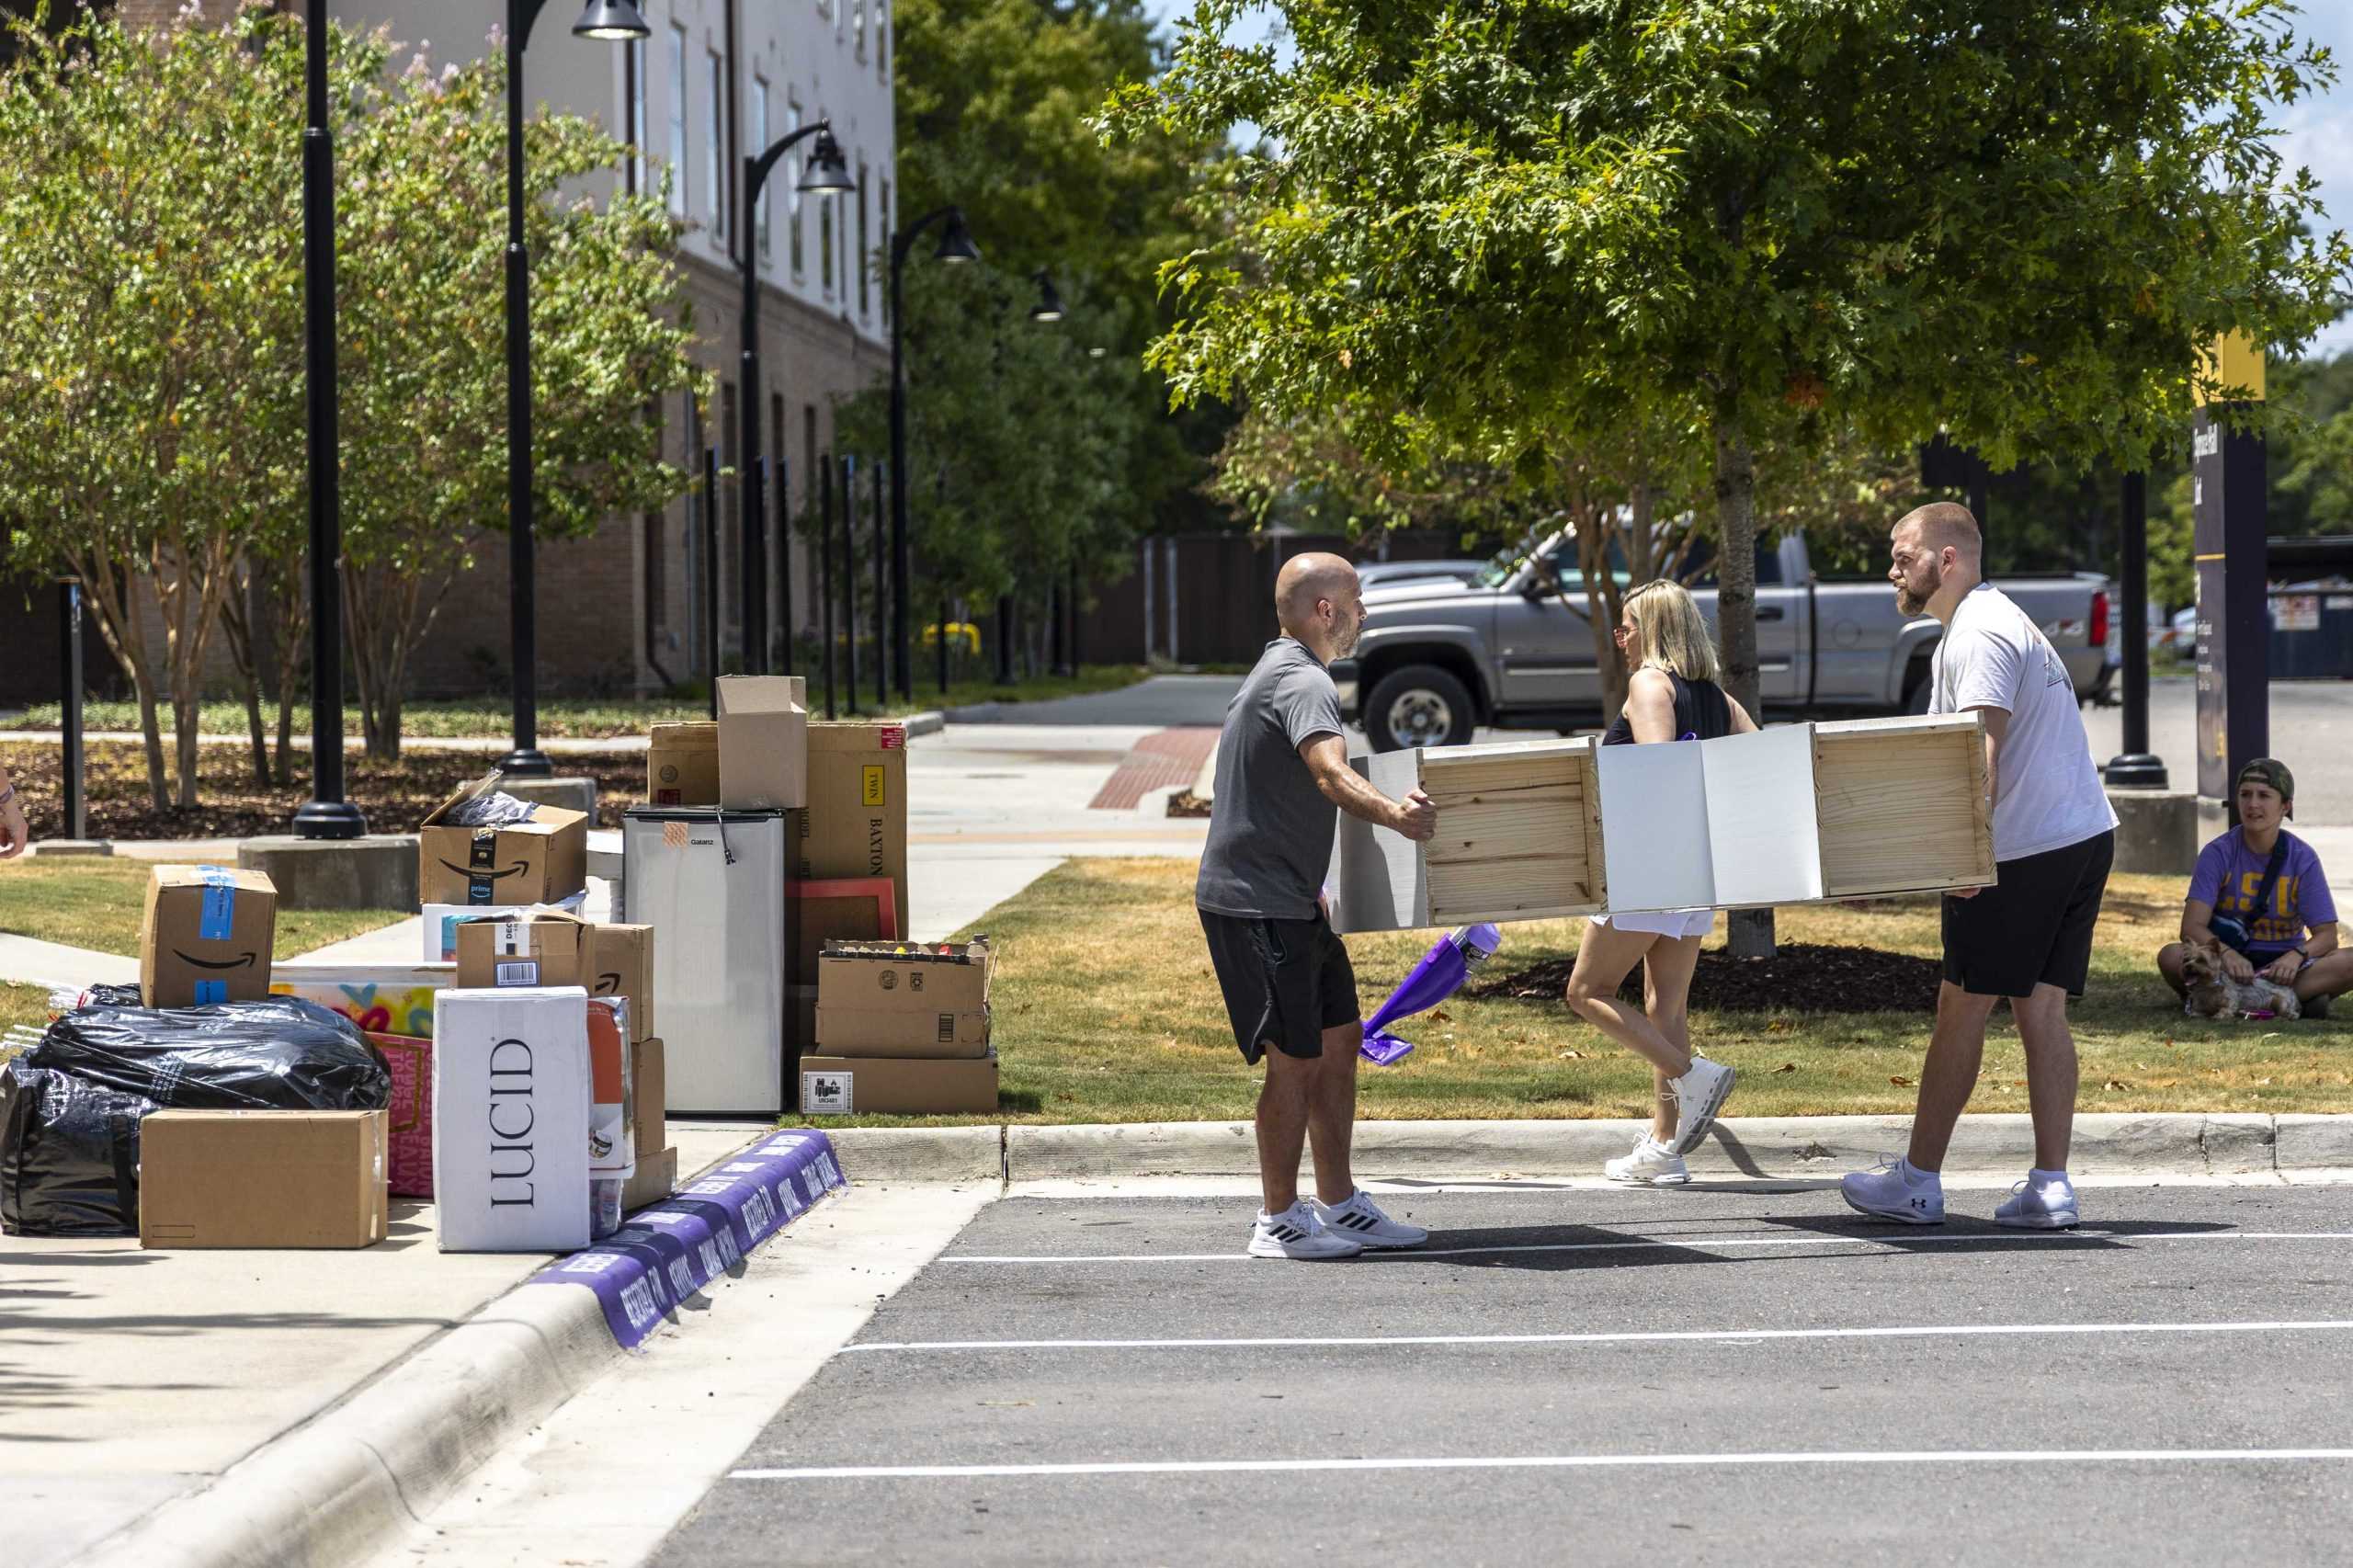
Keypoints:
pixel 262 1178
pixel 856 824
pixel 682 765
pixel 763 743
pixel 829 909
pixel 441 921
pixel 511 1087
pixel 549 948
pixel 206 936
pixel 656 1179
pixel 861 1085
pixel 380 998
pixel 649 1083
pixel 897 999
pixel 537 860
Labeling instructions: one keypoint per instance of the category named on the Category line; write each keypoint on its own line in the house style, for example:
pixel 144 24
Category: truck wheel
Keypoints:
pixel 1420 705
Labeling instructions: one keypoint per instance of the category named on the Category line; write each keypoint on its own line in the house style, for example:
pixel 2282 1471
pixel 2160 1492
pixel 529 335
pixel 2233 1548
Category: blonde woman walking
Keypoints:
pixel 1672 695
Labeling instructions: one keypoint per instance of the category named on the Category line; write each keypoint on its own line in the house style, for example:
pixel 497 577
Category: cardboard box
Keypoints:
pixel 859 1085
pixel 395 999
pixel 826 909
pixel 442 920
pixel 534 861
pixel 649 1090
pixel 682 765
pixel 656 1179
pixel 408 1163
pixel 856 824
pixel 511 1087
pixel 919 978
pixel 262 1178
pixel 844 1031
pixel 549 948
pixel 206 936
pixel 763 743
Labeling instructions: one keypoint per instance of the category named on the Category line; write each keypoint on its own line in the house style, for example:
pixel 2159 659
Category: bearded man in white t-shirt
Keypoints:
pixel 2029 936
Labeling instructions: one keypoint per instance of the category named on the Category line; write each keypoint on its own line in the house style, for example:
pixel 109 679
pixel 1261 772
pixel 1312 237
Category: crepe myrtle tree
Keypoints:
pixel 1495 222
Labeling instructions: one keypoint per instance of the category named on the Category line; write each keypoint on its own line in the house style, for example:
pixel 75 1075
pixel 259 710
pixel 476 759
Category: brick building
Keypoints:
pixel 716 80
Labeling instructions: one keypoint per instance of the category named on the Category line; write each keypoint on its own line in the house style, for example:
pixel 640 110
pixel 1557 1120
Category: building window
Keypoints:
pixel 760 146
pixel 792 199
pixel 857 26
pixel 677 120
pixel 714 177
pixel 865 250
pixel 636 63
pixel 881 45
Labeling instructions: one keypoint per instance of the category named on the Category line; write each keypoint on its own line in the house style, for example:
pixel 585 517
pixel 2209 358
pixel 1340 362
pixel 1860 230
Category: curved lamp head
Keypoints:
pixel 828 172
pixel 615 19
pixel 956 241
pixel 1049 307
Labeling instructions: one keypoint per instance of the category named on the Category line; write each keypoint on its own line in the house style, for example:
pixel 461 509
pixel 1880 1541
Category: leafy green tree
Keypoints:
pixel 1511 220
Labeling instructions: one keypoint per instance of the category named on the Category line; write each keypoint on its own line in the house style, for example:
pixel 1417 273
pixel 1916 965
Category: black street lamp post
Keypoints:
pixel 955 245
pixel 828 176
pixel 326 815
pixel 617 21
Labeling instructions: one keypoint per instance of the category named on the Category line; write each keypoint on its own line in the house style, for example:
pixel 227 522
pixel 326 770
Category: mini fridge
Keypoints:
pixel 711 882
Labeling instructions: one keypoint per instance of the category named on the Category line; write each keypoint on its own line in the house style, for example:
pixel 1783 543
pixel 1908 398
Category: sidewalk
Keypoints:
pixel 136 1376
pixel 925 724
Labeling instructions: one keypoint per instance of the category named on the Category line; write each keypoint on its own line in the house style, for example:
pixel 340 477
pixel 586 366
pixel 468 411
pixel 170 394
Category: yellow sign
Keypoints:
pixel 2231 361
pixel 872 787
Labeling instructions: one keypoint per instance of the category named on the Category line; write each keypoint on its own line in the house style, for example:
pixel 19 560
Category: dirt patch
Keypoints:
pixel 1801 977
pixel 395 797
pixel 1185 803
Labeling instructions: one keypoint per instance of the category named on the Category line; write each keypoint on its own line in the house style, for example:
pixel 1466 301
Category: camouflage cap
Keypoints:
pixel 2263 771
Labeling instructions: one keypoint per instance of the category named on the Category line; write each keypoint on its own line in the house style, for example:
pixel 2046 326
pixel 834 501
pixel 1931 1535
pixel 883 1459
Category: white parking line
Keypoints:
pixel 1888 1238
pixel 1551 1461
pixel 1631 1337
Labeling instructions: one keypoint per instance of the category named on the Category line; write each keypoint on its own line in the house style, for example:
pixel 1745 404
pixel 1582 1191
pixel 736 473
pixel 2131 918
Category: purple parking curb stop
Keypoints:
pixel 669 1250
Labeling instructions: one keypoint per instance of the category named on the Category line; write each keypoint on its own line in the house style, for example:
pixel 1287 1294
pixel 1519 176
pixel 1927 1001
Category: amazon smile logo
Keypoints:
pixel 472 875
pixel 243 961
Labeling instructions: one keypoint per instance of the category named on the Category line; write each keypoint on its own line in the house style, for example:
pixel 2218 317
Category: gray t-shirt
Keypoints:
pixel 1270 827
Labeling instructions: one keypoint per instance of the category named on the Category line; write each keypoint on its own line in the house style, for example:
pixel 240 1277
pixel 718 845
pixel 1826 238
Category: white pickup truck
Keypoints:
pixel 1513 648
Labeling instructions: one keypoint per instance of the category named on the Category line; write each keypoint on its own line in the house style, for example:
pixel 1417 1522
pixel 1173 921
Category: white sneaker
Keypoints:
pixel 1651 1164
pixel 1699 1095
pixel 1893 1190
pixel 1297 1232
pixel 2045 1205
pixel 1360 1220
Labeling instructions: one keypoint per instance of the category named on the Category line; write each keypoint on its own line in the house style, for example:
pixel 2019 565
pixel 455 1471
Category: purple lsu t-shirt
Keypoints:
pixel 2229 875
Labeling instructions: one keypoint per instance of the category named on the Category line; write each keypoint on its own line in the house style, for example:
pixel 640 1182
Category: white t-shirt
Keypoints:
pixel 2048 793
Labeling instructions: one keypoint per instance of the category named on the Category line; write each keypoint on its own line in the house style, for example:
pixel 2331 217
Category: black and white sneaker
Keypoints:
pixel 1361 1222
pixel 1298 1231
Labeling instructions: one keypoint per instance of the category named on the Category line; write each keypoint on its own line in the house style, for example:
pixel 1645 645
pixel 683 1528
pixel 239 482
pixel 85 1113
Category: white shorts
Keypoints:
pixel 1672 923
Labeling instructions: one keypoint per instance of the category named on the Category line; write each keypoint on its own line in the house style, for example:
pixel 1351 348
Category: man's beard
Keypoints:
pixel 1911 603
pixel 1347 643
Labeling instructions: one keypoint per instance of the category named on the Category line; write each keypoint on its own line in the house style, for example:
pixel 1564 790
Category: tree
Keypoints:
pixel 149 387
pixel 420 223
pixel 2016 223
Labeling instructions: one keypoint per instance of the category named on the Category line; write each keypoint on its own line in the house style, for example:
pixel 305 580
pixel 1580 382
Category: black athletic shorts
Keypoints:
pixel 2034 927
pixel 1285 980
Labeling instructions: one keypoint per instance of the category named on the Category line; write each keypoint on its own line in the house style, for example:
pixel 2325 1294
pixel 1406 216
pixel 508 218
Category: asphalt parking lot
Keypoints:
pixel 1741 1373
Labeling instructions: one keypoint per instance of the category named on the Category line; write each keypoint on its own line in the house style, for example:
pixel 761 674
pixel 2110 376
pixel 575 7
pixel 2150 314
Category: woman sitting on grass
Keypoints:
pixel 1672 695
pixel 2286 933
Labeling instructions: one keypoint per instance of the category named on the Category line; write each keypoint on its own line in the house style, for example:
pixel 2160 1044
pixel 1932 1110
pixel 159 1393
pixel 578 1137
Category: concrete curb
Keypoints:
pixel 925 723
pixel 920 1154
pixel 335 1488
pixel 2105 1146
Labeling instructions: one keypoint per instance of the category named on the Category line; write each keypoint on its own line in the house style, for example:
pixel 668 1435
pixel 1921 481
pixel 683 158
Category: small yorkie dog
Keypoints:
pixel 2213 993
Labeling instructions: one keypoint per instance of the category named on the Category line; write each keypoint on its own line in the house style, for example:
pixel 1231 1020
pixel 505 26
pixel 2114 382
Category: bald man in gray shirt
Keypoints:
pixel 1283 765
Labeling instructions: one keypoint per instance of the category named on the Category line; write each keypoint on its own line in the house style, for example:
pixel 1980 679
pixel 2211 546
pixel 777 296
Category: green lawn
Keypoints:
pixel 96 904
pixel 600 718
pixel 1106 1011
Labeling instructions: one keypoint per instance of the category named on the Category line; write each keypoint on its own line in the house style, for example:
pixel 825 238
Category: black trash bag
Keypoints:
pixel 69 1154
pixel 279 1053
pixel 113 996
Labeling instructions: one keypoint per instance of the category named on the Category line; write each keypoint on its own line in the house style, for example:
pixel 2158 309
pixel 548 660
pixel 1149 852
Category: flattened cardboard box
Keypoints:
pixel 649 1083
pixel 856 824
pixel 536 861
pixel 828 909
pixel 844 1031
pixel 763 743
pixel 262 1178
pixel 511 1090
pixel 546 948
pixel 206 936
pixel 682 764
pixel 855 1086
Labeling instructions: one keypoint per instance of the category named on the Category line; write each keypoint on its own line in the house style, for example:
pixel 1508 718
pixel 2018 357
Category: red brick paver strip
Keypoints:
pixel 1171 757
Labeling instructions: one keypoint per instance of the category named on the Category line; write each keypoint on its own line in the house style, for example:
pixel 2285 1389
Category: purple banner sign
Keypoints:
pixel 667 1251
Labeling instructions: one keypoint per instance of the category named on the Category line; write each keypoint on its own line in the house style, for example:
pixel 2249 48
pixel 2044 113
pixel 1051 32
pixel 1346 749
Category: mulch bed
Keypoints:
pixel 395 797
pixel 1801 977
pixel 1185 803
